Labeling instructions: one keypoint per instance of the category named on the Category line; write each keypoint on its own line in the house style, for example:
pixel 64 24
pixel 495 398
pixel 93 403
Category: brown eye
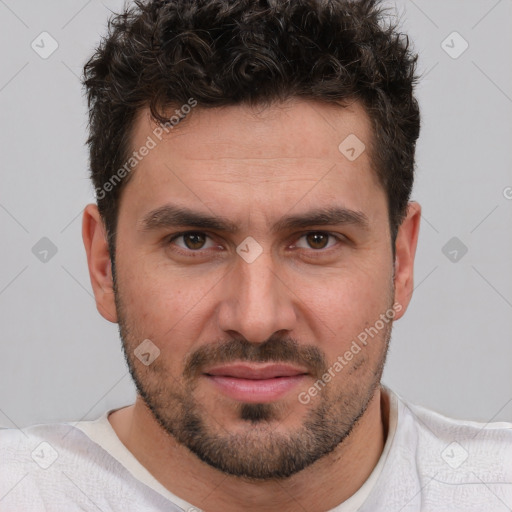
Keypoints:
pixel 194 241
pixel 317 240
pixel 195 246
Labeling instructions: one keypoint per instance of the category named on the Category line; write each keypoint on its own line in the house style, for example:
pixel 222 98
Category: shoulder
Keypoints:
pixel 38 464
pixel 463 440
pixel 60 467
pixel 31 443
pixel 464 465
pixel 45 446
pixel 21 446
pixel 26 457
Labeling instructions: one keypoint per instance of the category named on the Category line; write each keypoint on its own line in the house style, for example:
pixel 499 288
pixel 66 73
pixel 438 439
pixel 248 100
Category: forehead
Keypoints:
pixel 261 155
pixel 290 129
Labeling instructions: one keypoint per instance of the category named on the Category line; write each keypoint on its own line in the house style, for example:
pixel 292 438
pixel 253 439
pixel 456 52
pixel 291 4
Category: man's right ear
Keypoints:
pixel 99 262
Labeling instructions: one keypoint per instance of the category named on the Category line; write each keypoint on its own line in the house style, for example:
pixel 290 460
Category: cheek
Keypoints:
pixel 165 305
pixel 347 303
pixel 149 297
pixel 352 291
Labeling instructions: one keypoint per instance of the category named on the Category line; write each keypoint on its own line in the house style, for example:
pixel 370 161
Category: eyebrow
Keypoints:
pixel 169 216
pixel 334 215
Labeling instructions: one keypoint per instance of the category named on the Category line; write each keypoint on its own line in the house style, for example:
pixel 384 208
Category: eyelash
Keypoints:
pixel 200 252
pixel 188 252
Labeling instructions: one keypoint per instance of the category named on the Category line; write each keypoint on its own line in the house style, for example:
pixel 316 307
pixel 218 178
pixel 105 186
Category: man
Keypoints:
pixel 254 240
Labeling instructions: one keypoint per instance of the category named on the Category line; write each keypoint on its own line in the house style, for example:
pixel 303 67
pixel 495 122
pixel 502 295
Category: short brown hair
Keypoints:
pixel 227 52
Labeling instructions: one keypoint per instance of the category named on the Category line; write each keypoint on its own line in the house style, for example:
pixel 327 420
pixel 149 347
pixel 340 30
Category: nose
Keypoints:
pixel 257 302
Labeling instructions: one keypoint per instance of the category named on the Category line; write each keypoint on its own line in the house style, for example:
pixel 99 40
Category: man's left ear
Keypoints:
pixel 405 250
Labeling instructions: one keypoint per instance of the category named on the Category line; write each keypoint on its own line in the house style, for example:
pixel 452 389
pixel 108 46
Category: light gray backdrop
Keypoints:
pixel 60 360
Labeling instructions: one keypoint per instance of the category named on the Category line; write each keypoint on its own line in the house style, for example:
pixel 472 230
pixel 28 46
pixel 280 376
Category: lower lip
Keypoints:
pixel 255 390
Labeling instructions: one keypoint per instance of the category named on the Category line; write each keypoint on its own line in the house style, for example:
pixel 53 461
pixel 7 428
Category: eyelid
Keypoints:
pixel 298 236
pixel 337 236
pixel 174 236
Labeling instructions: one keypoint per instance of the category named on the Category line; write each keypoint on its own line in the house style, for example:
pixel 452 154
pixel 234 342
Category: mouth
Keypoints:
pixel 255 383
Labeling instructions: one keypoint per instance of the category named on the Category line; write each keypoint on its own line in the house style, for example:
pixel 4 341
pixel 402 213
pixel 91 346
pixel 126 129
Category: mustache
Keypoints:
pixel 275 349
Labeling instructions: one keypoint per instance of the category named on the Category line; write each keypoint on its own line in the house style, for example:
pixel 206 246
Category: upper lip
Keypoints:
pixel 255 371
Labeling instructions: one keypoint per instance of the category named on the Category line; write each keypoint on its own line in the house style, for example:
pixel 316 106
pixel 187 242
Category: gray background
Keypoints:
pixel 60 360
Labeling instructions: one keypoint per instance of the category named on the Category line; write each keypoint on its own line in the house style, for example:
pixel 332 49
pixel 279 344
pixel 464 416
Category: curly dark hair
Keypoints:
pixel 162 53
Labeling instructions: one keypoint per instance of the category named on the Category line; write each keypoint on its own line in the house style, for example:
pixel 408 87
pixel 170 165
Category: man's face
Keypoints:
pixel 248 312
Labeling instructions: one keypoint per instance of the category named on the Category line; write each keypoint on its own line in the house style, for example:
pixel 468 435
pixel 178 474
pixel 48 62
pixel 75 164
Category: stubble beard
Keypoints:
pixel 256 449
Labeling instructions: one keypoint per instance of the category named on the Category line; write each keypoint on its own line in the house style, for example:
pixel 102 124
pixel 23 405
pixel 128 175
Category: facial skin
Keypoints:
pixel 301 303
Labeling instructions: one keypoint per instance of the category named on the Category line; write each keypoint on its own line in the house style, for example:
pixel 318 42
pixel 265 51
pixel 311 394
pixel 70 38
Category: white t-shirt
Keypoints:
pixel 429 463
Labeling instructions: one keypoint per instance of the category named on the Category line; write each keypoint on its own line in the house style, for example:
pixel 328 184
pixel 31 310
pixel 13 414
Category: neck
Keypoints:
pixel 322 486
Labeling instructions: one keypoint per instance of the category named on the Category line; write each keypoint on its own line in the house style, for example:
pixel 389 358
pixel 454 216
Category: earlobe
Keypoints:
pixel 99 262
pixel 405 251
